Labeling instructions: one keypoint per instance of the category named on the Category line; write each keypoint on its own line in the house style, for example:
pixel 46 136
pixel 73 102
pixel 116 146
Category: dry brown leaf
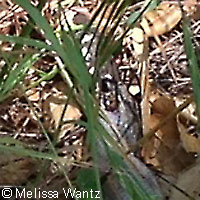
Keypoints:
pixel 186 122
pixel 54 106
pixel 33 94
pixel 190 143
pixel 165 151
pixel 190 6
pixel 71 113
pixel 163 106
pixel 196 15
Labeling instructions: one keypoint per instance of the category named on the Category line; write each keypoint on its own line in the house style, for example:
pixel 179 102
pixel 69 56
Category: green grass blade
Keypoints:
pixel 135 16
pixel 193 64
pixel 71 56
pixel 16 75
pixel 110 46
pixel 86 182
pixel 76 60
pixel 21 151
pixel 49 34
pixel 25 41
pixel 130 182
pixel 46 77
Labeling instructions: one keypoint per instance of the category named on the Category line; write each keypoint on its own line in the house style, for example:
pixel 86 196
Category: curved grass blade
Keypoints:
pixel 12 145
pixel 110 45
pixel 16 75
pixel 87 184
pixel 135 16
pixel 65 54
pixel 126 176
pixel 193 64
pixel 76 67
pixel 25 41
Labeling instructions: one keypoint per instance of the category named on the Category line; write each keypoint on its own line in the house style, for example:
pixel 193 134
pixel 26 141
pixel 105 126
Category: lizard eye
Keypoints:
pixel 108 85
pixel 109 94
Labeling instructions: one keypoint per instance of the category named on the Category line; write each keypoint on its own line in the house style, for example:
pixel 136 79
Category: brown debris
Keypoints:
pixel 165 151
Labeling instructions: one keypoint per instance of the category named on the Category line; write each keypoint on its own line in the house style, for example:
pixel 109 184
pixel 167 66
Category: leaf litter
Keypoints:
pixel 172 149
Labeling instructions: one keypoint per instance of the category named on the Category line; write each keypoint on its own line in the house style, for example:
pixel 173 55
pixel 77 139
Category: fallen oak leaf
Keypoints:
pixel 153 130
pixel 190 143
pixel 164 151
pixel 186 121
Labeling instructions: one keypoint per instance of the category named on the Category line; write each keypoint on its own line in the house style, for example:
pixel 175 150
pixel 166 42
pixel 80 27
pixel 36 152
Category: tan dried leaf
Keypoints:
pixel 190 143
pixel 185 121
pixel 164 151
pixel 54 105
